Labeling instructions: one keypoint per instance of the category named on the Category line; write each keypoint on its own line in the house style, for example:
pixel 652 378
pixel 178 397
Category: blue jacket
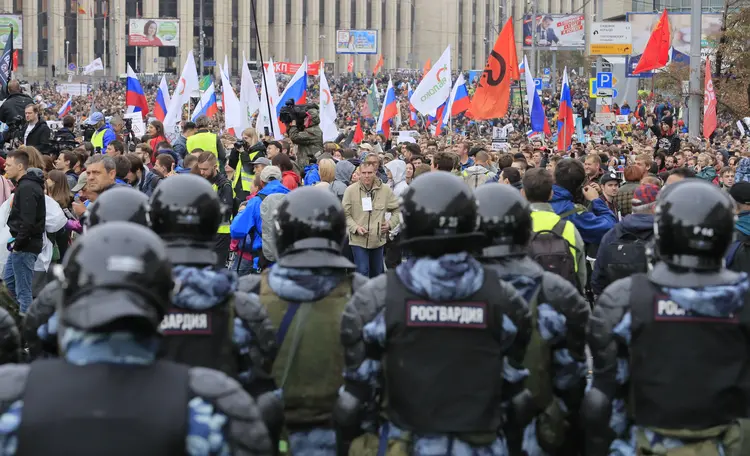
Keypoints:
pixel 109 135
pixel 641 225
pixel 248 224
pixel 312 176
pixel 592 224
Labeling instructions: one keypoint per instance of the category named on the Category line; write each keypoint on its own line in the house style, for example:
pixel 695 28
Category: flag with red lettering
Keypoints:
pixel 709 104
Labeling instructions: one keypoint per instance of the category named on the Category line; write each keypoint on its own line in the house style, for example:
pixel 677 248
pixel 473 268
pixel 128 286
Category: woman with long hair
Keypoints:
pixel 57 188
pixel 155 131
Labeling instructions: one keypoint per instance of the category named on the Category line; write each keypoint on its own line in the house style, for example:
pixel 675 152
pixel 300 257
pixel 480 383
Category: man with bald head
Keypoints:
pixel 14 104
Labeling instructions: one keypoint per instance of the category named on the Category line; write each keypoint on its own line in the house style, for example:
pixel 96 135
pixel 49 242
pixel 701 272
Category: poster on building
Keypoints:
pixel 8 22
pixel 643 23
pixel 356 41
pixel 555 31
pixel 154 32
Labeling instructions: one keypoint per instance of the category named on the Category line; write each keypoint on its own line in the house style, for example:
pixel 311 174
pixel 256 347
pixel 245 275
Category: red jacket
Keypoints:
pixel 153 143
pixel 290 180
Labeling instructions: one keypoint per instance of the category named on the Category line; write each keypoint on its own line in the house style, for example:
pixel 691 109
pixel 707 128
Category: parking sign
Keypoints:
pixel 604 80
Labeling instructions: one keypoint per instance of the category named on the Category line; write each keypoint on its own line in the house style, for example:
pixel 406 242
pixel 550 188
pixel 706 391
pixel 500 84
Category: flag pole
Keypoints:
pixel 262 70
pixel 523 115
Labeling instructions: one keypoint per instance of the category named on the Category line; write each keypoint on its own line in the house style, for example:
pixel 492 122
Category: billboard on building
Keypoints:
pixel 14 21
pixel 555 31
pixel 356 41
pixel 154 32
pixel 643 23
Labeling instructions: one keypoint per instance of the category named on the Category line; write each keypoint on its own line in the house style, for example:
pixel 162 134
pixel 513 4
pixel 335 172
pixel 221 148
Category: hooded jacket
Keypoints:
pixel 708 173
pixel 290 180
pixel 310 140
pixel 398 171
pixel 28 213
pixel 344 171
pixel 248 224
pixel 592 224
pixel 639 225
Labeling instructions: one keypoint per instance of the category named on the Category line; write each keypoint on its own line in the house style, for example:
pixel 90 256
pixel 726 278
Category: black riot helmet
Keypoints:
pixel 186 212
pixel 117 271
pixel 693 225
pixel 310 229
pixel 119 204
pixel 504 218
pixel 439 215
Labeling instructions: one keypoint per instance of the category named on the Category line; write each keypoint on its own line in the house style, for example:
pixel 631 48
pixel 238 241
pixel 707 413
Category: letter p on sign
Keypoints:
pixel 604 80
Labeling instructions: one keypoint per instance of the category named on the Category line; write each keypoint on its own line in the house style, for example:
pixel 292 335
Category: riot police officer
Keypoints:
pixel 123 204
pixel 305 293
pixel 556 357
pixel 449 336
pixel 670 346
pixel 210 323
pixel 115 396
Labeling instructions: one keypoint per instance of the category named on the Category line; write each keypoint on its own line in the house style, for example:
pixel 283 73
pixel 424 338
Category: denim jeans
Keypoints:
pixel 369 262
pixel 18 274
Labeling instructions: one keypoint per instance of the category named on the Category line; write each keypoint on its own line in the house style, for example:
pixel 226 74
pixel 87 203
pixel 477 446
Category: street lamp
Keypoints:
pixel 67 53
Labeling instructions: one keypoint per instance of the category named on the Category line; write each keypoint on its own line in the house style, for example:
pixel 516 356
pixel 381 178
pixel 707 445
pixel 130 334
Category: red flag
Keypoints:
pixel 709 104
pixel 15 59
pixel 350 65
pixel 656 53
pixel 378 65
pixel 492 94
pixel 427 66
pixel 358 134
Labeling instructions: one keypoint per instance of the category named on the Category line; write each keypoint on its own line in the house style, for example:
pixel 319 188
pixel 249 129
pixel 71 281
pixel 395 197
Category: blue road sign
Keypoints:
pixel 538 83
pixel 546 71
pixel 71 67
pixel 604 80
pixel 209 63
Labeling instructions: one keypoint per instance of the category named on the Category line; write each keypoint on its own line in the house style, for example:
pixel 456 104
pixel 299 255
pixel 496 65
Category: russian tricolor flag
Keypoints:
pixel 296 89
pixel 65 108
pixel 565 124
pixel 536 110
pixel 457 103
pixel 207 106
pixel 134 97
pixel 162 100
pixel 388 111
pixel 438 116
pixel 412 110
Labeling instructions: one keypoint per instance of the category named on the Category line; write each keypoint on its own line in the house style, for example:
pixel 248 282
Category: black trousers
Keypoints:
pixel 222 250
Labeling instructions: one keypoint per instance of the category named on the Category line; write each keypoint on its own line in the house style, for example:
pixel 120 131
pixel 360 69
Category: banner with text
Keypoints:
pixel 8 22
pixel 313 68
pixel 154 32
pixel 356 41
pixel 555 31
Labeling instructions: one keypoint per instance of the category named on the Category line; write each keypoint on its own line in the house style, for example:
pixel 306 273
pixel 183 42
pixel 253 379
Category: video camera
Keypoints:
pixel 87 131
pixel 59 144
pixel 292 113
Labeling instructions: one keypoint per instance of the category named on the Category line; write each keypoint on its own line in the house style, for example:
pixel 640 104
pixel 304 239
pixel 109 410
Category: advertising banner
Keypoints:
pixel 8 21
pixel 154 32
pixel 555 31
pixel 313 68
pixel 356 41
pixel 643 23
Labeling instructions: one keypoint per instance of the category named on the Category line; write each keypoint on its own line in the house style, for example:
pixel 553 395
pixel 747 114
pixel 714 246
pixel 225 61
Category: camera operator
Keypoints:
pixel 103 135
pixel 36 132
pixel 245 151
pixel 65 134
pixel 15 104
pixel 303 127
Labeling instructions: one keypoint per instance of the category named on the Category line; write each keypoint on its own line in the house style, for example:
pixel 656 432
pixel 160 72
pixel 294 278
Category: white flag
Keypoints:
pixel 248 96
pixel 268 104
pixel 185 86
pixel 93 66
pixel 327 109
pixel 435 86
pixel 232 108
pixel 226 67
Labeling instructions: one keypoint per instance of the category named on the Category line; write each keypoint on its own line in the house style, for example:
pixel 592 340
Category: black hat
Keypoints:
pixel 117 270
pixel 608 177
pixel 186 212
pixel 741 192
pixel 309 230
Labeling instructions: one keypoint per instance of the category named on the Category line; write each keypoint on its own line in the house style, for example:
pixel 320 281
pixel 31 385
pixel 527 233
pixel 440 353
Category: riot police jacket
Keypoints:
pixel 38 314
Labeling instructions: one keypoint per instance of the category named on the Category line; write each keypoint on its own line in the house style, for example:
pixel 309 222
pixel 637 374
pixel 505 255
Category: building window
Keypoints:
pixel 337 13
pixel 383 13
pixel 43 47
pixel 288 12
pixel 304 13
pixel 353 15
pixel 167 54
pixel 271 11
pixel 368 21
pixel 234 56
pixel 322 12
pixel 398 18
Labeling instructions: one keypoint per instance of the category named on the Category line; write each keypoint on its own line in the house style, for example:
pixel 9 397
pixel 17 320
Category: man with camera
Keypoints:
pixel 303 127
pixel 13 106
pixel 103 135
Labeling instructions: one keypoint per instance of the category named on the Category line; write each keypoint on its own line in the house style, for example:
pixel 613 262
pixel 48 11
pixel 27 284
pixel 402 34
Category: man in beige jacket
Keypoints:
pixel 366 204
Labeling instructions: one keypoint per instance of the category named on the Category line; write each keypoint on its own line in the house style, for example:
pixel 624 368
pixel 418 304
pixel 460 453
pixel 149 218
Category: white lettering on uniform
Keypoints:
pixel 669 308
pixel 472 314
pixel 185 322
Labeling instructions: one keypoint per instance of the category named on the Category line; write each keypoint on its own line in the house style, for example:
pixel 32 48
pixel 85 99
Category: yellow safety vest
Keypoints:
pixel 97 139
pixel 225 223
pixel 247 179
pixel 545 221
pixel 205 141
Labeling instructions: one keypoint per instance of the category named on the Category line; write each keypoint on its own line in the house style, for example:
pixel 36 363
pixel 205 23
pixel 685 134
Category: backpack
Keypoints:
pixel 267 215
pixel 627 256
pixel 552 251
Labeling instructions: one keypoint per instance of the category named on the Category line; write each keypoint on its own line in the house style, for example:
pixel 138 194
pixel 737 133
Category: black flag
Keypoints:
pixel 6 63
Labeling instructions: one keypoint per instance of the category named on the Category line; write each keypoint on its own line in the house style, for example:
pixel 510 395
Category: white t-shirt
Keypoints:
pixel 28 130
